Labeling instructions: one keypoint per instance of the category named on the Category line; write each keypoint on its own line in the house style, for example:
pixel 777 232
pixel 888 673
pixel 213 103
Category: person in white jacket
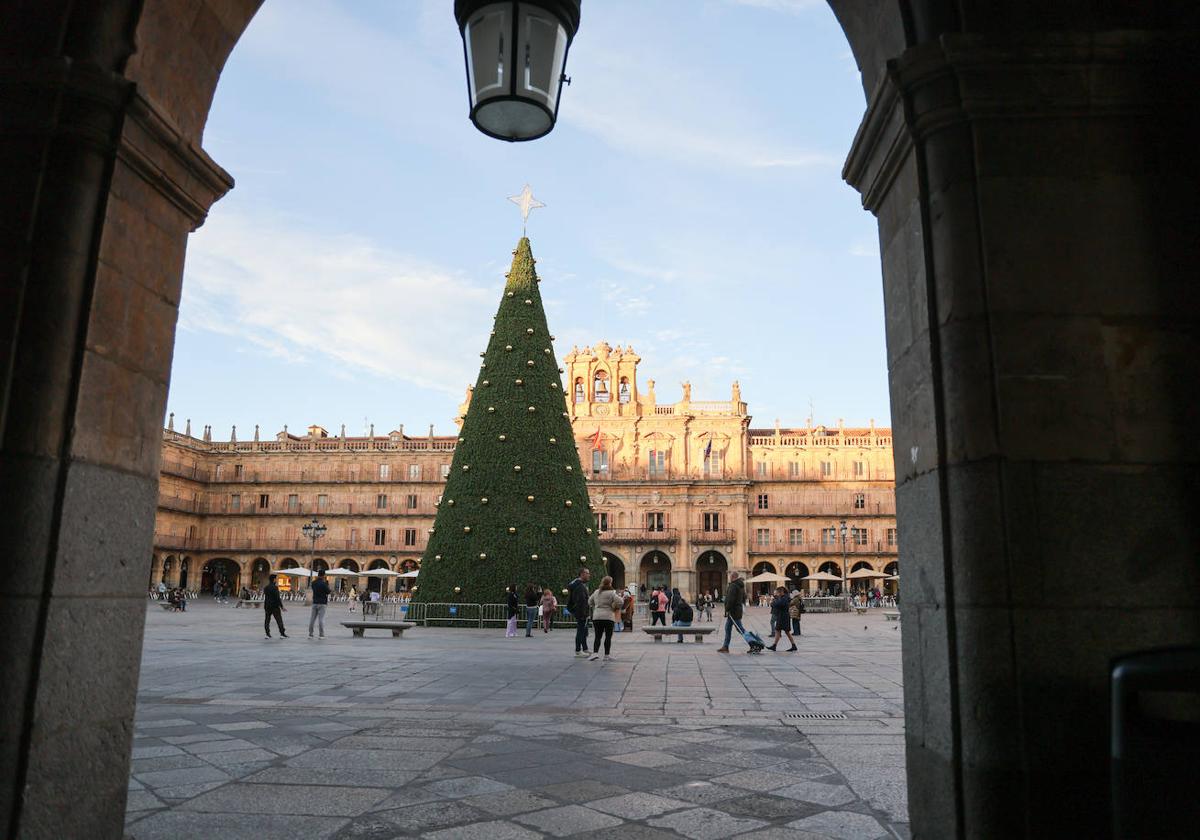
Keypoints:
pixel 606 607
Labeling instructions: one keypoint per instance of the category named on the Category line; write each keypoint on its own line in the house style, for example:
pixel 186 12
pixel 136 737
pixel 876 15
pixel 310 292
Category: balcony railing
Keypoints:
pixel 250 507
pixel 277 544
pixel 818 547
pixel 721 536
pixel 639 535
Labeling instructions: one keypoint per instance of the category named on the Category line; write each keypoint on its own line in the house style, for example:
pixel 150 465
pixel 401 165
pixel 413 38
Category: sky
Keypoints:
pixel 694 209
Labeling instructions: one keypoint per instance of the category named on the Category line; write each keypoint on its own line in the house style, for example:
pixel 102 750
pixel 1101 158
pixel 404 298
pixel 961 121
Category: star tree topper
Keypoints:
pixel 526 202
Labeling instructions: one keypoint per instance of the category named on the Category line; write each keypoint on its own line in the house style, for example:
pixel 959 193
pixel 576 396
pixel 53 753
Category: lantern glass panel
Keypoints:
pixel 489 52
pixel 542 48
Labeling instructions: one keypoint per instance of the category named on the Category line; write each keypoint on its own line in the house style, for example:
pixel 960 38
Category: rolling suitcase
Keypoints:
pixel 754 640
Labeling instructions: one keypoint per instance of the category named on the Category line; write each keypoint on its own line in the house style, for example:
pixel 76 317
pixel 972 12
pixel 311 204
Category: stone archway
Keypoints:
pixel 712 571
pixel 1074 120
pixel 260 572
pixel 615 567
pixel 796 572
pixel 221 571
pixel 654 570
pixel 761 589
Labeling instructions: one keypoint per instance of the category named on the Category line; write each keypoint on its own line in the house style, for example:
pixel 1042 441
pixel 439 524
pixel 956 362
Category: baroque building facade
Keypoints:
pixel 682 492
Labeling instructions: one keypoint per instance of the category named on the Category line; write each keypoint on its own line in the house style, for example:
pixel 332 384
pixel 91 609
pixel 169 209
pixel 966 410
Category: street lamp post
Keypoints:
pixel 314 531
pixel 842 532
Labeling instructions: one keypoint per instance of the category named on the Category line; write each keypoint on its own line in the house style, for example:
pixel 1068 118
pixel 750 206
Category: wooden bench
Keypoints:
pixel 891 615
pixel 248 602
pixel 397 627
pixel 695 630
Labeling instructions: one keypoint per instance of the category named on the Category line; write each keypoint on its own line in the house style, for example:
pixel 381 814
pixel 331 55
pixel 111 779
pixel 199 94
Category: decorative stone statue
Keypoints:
pixel 737 392
pixel 687 391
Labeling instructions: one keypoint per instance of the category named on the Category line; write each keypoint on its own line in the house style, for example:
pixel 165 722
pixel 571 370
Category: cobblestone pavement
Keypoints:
pixel 449 733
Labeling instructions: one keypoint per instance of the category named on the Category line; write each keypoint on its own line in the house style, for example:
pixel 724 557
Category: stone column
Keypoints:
pixel 101 193
pixel 1039 267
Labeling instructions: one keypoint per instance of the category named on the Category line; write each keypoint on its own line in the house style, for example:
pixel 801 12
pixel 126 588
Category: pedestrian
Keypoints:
pixel 682 614
pixel 272 608
pixel 513 608
pixel 364 598
pixel 675 596
pixel 708 605
pixel 532 596
pixel 162 591
pixel 735 598
pixel 658 607
pixel 795 608
pixel 779 612
pixel 320 600
pixel 353 597
pixel 577 603
pixel 549 608
pixel 627 609
pixel 606 606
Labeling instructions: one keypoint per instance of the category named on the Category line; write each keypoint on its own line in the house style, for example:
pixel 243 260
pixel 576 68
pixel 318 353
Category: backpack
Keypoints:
pixel 685 613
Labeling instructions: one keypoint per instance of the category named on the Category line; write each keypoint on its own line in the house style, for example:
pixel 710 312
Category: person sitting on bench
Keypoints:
pixel 682 615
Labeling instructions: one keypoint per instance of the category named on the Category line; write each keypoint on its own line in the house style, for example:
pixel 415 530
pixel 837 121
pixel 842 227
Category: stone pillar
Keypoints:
pixel 1039 281
pixel 101 192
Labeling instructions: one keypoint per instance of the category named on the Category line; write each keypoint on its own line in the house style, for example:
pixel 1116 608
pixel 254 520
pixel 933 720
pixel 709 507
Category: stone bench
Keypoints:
pixel 167 605
pixel 891 615
pixel 248 602
pixel 695 630
pixel 860 610
pixel 397 627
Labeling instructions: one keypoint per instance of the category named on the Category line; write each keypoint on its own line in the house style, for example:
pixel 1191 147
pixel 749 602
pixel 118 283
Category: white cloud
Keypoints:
pixel 789 6
pixel 303 296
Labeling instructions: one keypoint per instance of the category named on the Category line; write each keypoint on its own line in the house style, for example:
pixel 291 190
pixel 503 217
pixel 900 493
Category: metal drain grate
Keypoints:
pixel 815 716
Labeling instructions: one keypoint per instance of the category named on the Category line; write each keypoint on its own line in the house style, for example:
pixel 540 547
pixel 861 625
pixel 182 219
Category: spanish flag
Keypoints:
pixel 597 443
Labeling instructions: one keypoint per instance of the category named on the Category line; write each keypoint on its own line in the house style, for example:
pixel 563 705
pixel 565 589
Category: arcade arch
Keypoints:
pixel 221 570
pixel 614 566
pixel 712 571
pixel 654 570
pixel 260 573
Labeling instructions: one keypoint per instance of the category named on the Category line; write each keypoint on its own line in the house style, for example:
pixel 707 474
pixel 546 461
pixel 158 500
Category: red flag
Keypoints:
pixel 596 442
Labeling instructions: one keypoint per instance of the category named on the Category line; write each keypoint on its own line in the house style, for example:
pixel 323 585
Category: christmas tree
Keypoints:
pixel 515 509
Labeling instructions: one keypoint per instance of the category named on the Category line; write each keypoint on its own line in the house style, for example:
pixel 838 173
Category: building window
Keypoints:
pixel 762 469
pixel 410 536
pixel 235 502
pixel 764 501
pixel 794 469
pixel 237 471
pixel 891 536
pixel 293 503
pixel 860 501
pixel 414 472
pixel 412 501
pixel 264 501
pixel 795 536
pixel 217 471
pixel 322 502
pixel 712 522
pixel 656 521
pixel 658 461
pixel 623 393
pixel 858 536
pixel 600 386
pixel 445 470
pixel 826 469
pixel 599 462
pixel 579 392
pixel 860 469
pixel 829 536
pixel 601 522
pixel 385 472
pixel 381 501
pixel 353 537
pixel 380 536
pixel 762 536
pixel 712 463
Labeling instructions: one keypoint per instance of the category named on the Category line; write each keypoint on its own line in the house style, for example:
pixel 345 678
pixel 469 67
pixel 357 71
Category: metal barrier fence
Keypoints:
pixel 462 615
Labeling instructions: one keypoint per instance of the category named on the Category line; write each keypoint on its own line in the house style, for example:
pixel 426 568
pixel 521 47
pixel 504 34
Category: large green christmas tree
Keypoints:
pixel 515 509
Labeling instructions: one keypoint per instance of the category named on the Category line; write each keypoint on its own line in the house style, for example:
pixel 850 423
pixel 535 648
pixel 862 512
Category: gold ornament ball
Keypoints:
pixel 565 414
pixel 482 365
pixel 529 498
pixel 437 557
pixel 491 409
pixel 450 502
pixel 529 363
pixel 547 351
pixel 520 382
pixel 466 529
pixel 570 468
pixel 481 355
pixel 517 468
pixel 553 530
pixel 510 294
pixel 583 557
pixel 502 437
pixel 529 331
pixel 507 346
pixel 551 338
pixel 483 501
pixel 554 440
pixel 458 589
pixel 486 383
pixel 462 440
pixel 528 302
pixel 466 467
pixel 533 557
pixel 589 530
pixel 431 530
pixel 531 409
pixel 553 386
pixel 512 530
pixel 482 556
pixel 568 503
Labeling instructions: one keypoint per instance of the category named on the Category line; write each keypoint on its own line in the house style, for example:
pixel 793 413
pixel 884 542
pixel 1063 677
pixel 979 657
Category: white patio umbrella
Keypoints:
pixel 865 573
pixel 341 573
pixel 824 576
pixel 892 577
pixel 768 577
pixel 411 574
pixel 300 573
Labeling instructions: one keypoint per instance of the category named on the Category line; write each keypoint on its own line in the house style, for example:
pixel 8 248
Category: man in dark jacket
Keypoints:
pixel 320 601
pixel 272 606
pixel 735 597
pixel 577 603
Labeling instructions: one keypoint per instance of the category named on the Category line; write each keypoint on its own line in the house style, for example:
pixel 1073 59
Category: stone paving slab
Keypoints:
pixel 466 734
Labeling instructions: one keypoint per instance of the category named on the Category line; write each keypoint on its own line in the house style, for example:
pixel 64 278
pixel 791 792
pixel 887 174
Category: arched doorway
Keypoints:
pixel 320 565
pixel 830 587
pixel 286 582
pixel 168 567
pixel 614 567
pixel 406 566
pixel 759 568
pixel 655 570
pixel 796 572
pixel 862 584
pixel 711 571
pixel 260 573
pixel 183 572
pixel 222 570
pixel 891 587
pixel 377 584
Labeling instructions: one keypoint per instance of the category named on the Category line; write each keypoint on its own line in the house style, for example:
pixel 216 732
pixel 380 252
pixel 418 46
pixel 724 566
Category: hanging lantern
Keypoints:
pixel 515 54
